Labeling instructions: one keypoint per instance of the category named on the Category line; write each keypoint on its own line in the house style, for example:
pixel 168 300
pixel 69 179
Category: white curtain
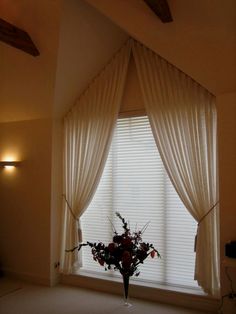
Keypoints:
pixel 88 130
pixel 182 115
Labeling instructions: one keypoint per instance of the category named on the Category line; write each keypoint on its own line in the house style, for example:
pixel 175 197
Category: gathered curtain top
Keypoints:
pixel 130 46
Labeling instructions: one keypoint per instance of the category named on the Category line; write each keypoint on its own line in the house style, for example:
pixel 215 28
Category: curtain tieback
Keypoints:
pixel 200 220
pixel 207 213
pixel 75 218
pixel 70 209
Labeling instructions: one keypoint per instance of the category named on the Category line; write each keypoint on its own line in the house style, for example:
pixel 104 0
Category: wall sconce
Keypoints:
pixel 9 164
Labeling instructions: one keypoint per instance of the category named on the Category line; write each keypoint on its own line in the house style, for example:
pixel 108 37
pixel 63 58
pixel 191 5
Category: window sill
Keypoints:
pixel 191 298
pixel 135 282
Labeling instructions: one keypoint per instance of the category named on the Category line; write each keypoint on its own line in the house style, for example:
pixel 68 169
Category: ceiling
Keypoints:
pixel 76 42
pixel 201 40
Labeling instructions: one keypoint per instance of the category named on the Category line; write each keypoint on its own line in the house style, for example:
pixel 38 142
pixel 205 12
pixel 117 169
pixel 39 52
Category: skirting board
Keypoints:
pixel 28 277
pixel 184 299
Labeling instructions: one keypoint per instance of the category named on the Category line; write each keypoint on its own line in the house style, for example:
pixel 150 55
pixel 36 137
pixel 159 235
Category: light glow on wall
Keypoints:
pixel 9 168
pixel 9 162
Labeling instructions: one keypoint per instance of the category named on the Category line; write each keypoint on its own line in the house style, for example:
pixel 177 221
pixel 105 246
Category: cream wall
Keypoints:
pixel 56 199
pixel 87 42
pixel 26 107
pixel 25 199
pixel 226 106
pixel 75 42
pixel 132 101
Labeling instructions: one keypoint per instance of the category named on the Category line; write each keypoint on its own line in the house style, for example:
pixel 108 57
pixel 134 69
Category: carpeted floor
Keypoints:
pixel 32 299
pixel 8 286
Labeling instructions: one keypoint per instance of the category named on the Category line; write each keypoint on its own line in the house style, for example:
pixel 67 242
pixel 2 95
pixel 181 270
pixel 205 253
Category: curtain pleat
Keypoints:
pixel 183 118
pixel 88 130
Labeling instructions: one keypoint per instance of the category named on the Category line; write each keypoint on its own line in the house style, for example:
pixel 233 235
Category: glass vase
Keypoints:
pixel 126 289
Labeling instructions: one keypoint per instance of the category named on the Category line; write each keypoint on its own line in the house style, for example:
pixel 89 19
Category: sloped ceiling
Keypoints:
pixel 75 41
pixel 201 40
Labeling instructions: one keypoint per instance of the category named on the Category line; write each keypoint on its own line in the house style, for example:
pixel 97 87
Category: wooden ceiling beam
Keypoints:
pixel 161 9
pixel 17 38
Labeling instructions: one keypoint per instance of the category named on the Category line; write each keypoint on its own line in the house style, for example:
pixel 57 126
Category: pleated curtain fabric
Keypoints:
pixel 183 118
pixel 88 130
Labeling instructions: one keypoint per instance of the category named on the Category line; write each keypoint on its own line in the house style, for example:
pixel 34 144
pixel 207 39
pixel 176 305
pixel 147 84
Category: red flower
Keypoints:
pixel 126 259
pixel 127 242
pixel 153 253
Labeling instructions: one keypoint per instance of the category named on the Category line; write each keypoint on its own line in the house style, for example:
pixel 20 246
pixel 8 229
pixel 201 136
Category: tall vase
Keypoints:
pixel 126 289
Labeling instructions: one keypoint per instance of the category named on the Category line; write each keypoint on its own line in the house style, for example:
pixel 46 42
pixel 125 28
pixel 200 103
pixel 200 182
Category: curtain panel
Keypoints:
pixel 88 130
pixel 183 118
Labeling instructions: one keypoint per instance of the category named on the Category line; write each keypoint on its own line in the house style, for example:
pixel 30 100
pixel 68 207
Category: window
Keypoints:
pixel 135 183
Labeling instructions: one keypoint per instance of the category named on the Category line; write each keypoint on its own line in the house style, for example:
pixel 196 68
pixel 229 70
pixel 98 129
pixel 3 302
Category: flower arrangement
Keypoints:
pixel 125 252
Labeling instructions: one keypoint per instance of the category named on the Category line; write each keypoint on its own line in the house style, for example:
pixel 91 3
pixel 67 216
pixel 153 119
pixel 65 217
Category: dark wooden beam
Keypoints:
pixel 17 38
pixel 161 9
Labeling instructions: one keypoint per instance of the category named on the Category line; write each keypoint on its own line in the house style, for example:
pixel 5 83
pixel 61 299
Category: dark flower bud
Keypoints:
pixel 117 239
pixel 101 262
pixel 111 247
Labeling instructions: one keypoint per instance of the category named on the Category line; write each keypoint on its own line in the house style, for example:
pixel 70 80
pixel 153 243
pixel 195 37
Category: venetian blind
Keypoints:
pixel 135 183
